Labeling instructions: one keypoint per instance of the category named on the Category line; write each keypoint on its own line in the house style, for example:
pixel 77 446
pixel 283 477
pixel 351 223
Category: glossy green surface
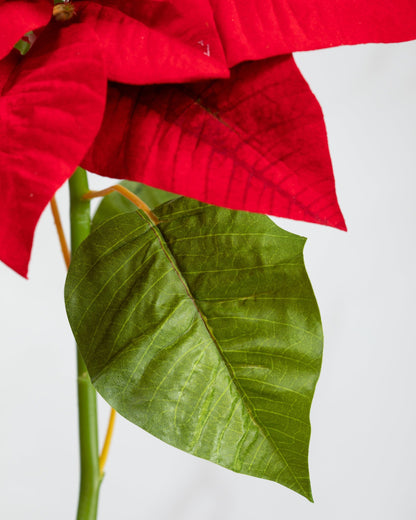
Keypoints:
pixel 205 332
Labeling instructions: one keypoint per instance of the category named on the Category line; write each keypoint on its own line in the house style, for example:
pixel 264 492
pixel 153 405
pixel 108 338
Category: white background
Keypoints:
pixel 363 450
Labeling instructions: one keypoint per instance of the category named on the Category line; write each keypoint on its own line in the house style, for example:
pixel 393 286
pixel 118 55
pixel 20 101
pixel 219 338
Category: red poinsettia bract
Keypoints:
pixel 143 90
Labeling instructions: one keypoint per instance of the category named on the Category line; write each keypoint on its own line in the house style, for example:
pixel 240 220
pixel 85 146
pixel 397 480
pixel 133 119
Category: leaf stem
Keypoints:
pixel 87 399
pixel 60 230
pixel 67 259
pixel 132 197
pixel 107 441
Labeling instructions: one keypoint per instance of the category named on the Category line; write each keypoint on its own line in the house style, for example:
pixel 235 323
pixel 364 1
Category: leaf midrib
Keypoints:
pixel 248 405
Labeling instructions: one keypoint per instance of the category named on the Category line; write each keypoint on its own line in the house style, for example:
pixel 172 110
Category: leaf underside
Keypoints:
pixel 204 331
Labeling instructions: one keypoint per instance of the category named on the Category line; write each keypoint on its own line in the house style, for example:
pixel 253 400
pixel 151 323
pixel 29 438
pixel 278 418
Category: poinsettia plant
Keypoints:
pixel 193 315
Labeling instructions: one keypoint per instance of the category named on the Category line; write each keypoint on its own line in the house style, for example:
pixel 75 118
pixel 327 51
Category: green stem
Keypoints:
pixel 87 400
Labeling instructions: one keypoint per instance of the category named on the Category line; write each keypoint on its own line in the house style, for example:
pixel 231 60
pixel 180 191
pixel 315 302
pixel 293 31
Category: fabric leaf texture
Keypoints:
pixel 255 142
pixel 225 364
pixel 253 31
pixel 40 110
pixel 150 55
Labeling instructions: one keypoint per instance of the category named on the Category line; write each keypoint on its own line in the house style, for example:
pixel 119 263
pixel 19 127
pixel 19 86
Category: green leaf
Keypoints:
pixel 204 331
pixel 115 203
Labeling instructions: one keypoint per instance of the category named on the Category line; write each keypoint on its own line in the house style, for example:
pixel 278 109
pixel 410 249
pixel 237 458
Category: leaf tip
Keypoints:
pixel 337 221
pixel 308 495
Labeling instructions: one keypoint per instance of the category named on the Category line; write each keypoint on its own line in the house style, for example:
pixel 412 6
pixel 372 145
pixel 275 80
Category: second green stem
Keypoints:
pixel 87 399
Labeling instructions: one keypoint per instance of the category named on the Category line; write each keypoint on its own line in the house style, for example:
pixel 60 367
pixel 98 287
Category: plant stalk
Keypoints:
pixel 87 399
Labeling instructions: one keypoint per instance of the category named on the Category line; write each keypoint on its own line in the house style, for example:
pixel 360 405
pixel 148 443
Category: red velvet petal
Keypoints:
pixel 255 142
pixel 253 30
pixel 50 111
pixel 17 17
pixel 7 66
pixel 141 49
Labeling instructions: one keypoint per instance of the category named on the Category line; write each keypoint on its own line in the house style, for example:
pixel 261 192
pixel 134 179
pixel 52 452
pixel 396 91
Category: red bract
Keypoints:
pixel 251 30
pixel 47 119
pixel 255 141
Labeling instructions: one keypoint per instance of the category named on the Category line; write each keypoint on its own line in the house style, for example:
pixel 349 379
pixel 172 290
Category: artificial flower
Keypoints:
pixel 255 141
